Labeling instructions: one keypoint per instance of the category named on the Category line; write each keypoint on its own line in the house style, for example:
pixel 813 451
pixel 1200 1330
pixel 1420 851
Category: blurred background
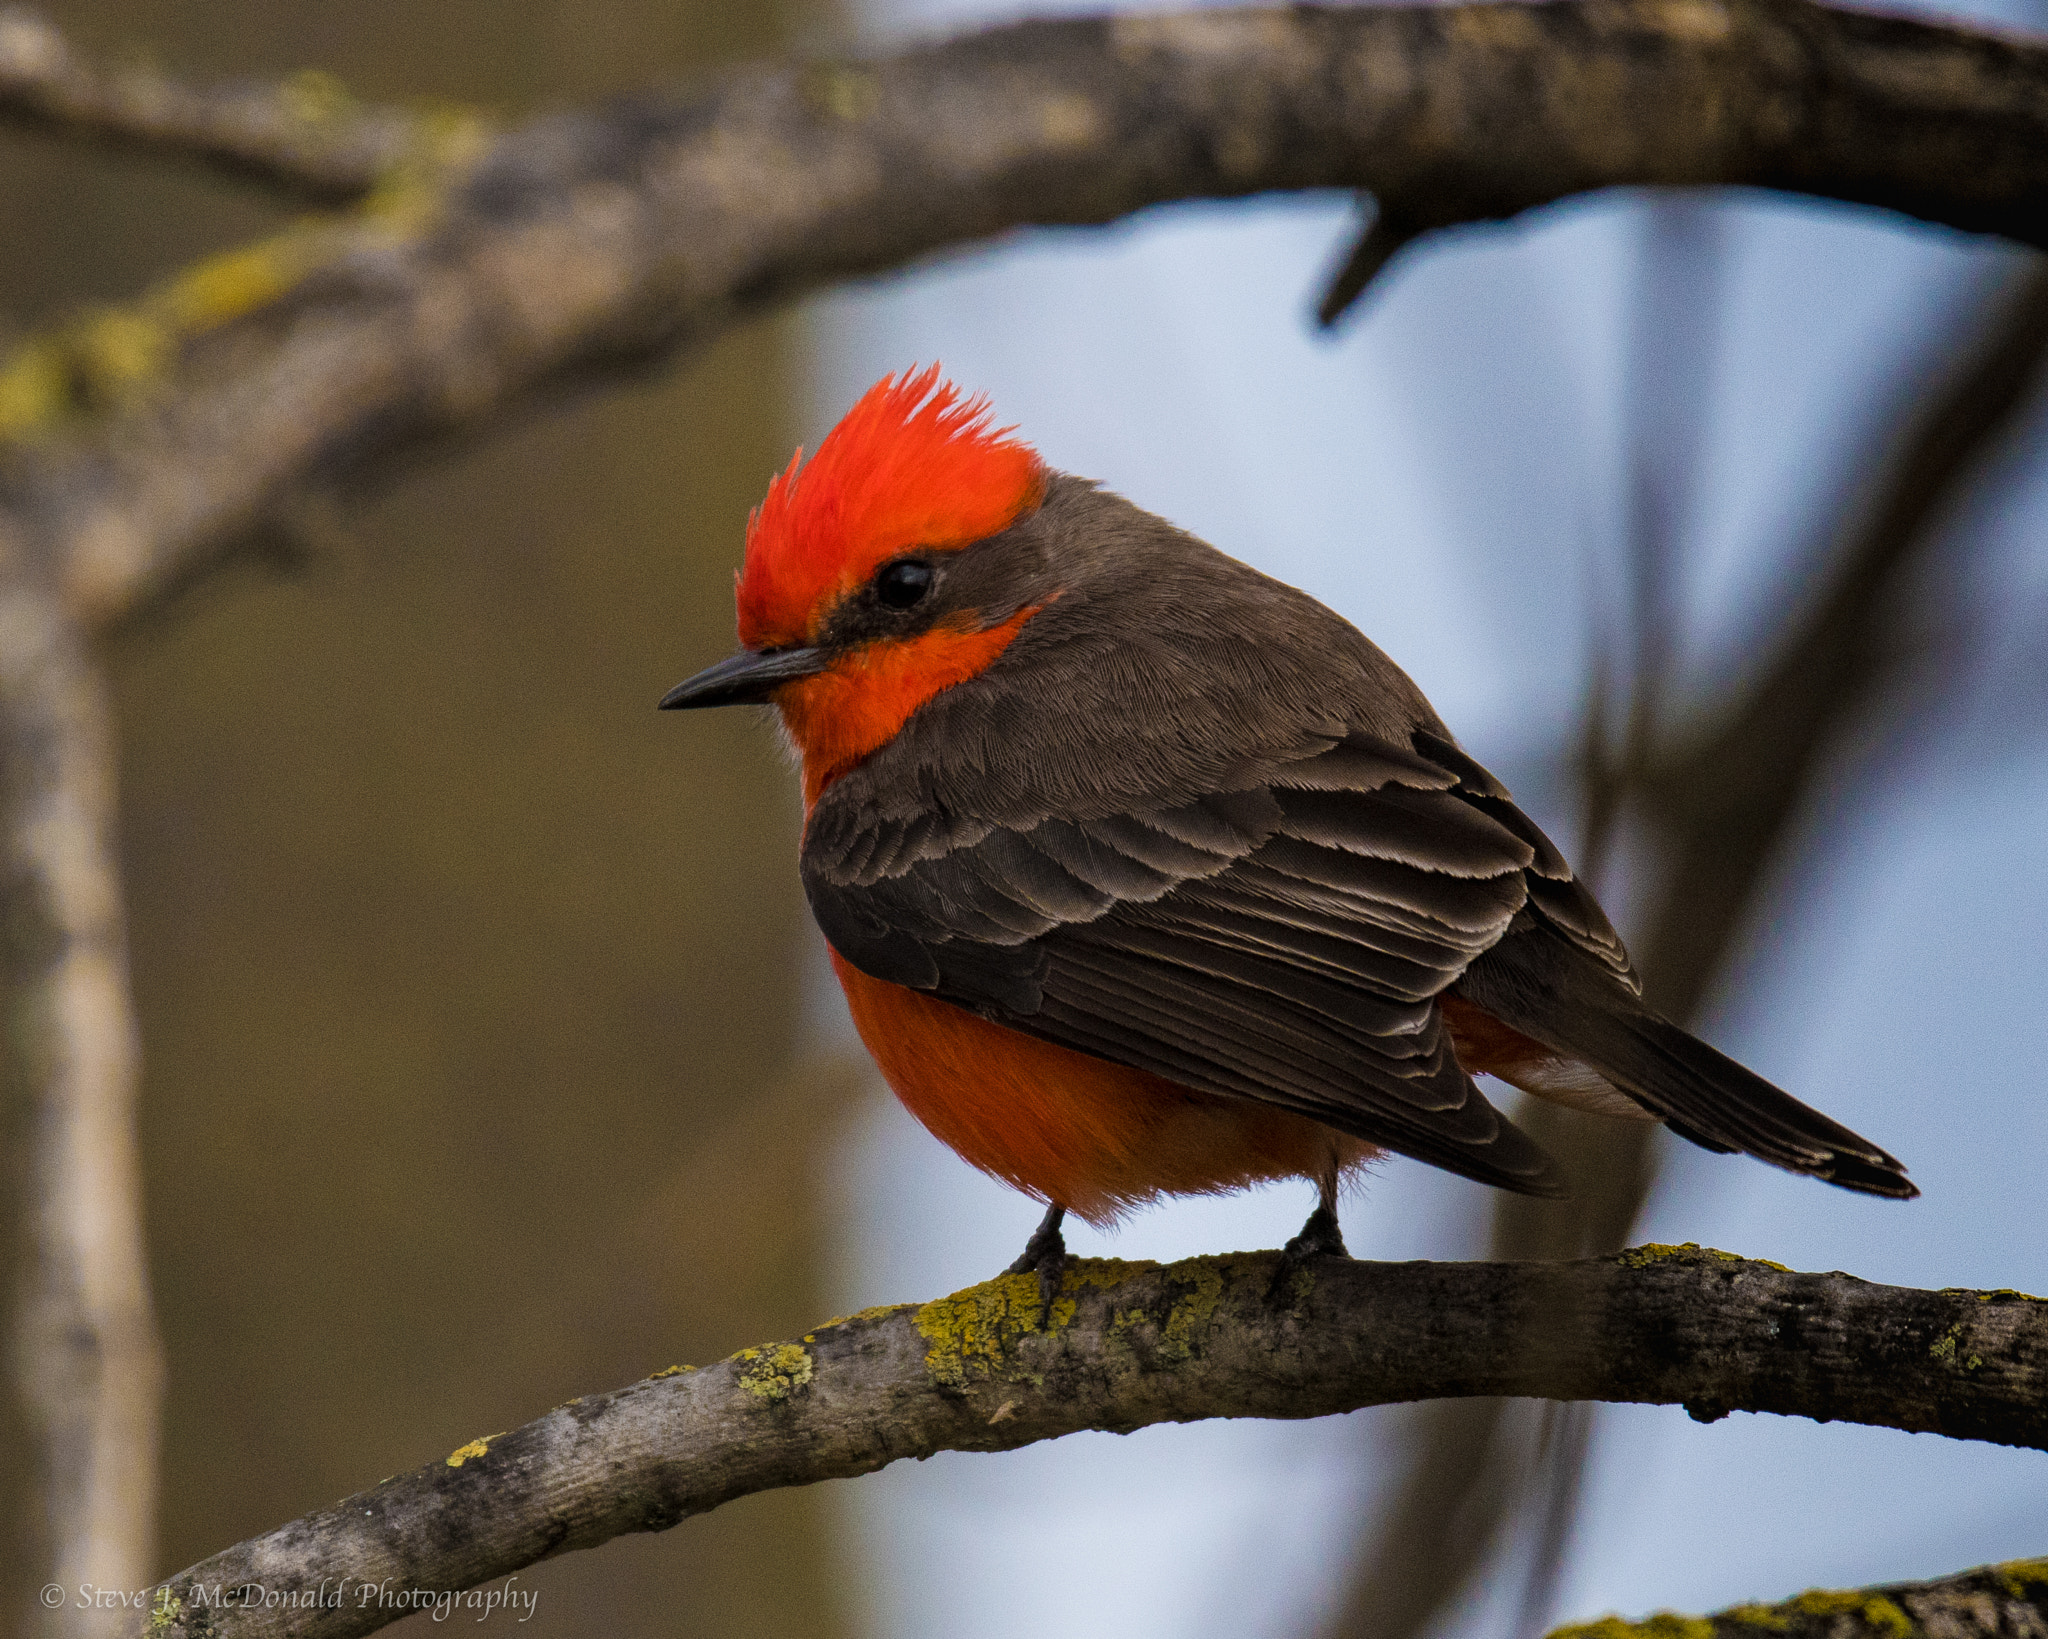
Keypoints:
pixel 490 1057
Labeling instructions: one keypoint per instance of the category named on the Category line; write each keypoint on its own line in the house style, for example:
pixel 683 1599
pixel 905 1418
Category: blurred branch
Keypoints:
pixel 1993 1600
pixel 1720 802
pixel 1461 1470
pixel 307 135
pixel 600 238
pixel 1471 1468
pixel 1675 322
pixel 1132 1344
pixel 1725 796
pixel 86 1356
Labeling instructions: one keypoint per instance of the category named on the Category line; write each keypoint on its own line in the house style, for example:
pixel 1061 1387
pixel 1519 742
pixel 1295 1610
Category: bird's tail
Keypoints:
pixel 1705 1096
pixel 1700 1094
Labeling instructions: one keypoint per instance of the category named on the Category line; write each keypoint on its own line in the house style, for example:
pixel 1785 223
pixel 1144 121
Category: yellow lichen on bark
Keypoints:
pixel 1687 1252
pixel 970 1334
pixel 775 1373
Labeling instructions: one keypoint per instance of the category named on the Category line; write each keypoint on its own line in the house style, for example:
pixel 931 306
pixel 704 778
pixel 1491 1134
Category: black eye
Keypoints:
pixel 903 584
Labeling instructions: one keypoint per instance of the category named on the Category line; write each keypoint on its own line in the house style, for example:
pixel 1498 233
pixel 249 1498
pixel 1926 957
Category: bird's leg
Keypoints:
pixel 1045 1255
pixel 1320 1237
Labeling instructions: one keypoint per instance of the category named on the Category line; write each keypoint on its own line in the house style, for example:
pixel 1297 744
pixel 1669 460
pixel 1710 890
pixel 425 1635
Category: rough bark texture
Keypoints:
pixel 2009 1600
pixel 602 236
pixel 1130 1344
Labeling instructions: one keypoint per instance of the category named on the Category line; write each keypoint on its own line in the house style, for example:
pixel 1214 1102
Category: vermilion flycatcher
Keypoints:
pixel 1145 874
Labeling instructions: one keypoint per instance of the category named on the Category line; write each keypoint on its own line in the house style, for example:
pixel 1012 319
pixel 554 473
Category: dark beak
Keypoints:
pixel 747 679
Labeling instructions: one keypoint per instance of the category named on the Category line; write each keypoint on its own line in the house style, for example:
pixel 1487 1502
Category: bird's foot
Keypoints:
pixel 1320 1237
pixel 1045 1255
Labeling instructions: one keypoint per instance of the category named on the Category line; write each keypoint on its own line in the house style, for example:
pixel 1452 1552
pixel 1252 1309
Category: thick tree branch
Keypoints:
pixel 307 135
pixel 2008 1601
pixel 1132 1344
pixel 590 239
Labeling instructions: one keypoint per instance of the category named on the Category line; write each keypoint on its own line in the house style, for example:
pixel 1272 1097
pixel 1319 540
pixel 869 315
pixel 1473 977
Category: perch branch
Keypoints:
pixel 606 236
pixel 1130 1345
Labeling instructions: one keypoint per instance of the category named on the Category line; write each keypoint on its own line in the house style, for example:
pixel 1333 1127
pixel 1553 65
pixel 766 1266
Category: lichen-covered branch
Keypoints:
pixel 1130 1344
pixel 2008 1601
pixel 85 1353
pixel 307 135
pixel 610 234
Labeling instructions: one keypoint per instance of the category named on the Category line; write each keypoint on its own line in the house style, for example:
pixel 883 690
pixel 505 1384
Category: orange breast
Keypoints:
pixel 1095 1137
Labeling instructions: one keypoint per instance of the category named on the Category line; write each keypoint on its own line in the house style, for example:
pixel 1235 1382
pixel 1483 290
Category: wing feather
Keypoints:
pixel 1556 893
pixel 1300 904
pixel 1277 986
pixel 1465 915
pixel 1265 927
pixel 1102 865
pixel 1430 830
pixel 1152 844
pixel 1231 823
pixel 1008 863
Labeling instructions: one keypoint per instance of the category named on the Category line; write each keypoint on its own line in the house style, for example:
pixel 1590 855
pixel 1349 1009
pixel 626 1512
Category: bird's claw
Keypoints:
pixel 1045 1255
pixel 1320 1237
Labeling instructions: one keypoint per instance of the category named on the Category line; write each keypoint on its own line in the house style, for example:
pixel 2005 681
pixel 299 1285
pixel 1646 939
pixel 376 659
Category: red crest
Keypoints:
pixel 912 465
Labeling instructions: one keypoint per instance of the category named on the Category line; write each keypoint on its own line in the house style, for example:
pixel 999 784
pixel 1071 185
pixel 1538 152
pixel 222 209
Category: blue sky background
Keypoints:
pixel 1446 471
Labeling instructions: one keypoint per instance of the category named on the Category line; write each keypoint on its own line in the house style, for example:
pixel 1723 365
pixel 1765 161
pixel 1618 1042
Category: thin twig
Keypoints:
pixel 1383 235
pixel 307 135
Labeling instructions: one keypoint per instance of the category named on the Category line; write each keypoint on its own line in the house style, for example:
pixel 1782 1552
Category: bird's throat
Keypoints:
pixel 858 705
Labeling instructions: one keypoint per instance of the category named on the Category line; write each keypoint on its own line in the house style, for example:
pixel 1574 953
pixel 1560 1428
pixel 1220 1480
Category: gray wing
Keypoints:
pixel 1283 942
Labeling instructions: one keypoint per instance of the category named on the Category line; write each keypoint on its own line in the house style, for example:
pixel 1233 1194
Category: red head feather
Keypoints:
pixel 912 465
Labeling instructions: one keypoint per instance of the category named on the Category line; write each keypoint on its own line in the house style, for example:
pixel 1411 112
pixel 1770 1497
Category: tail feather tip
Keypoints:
pixel 1886 1178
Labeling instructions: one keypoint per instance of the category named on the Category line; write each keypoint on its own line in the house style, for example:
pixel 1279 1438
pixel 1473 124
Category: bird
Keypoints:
pixel 1145 874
